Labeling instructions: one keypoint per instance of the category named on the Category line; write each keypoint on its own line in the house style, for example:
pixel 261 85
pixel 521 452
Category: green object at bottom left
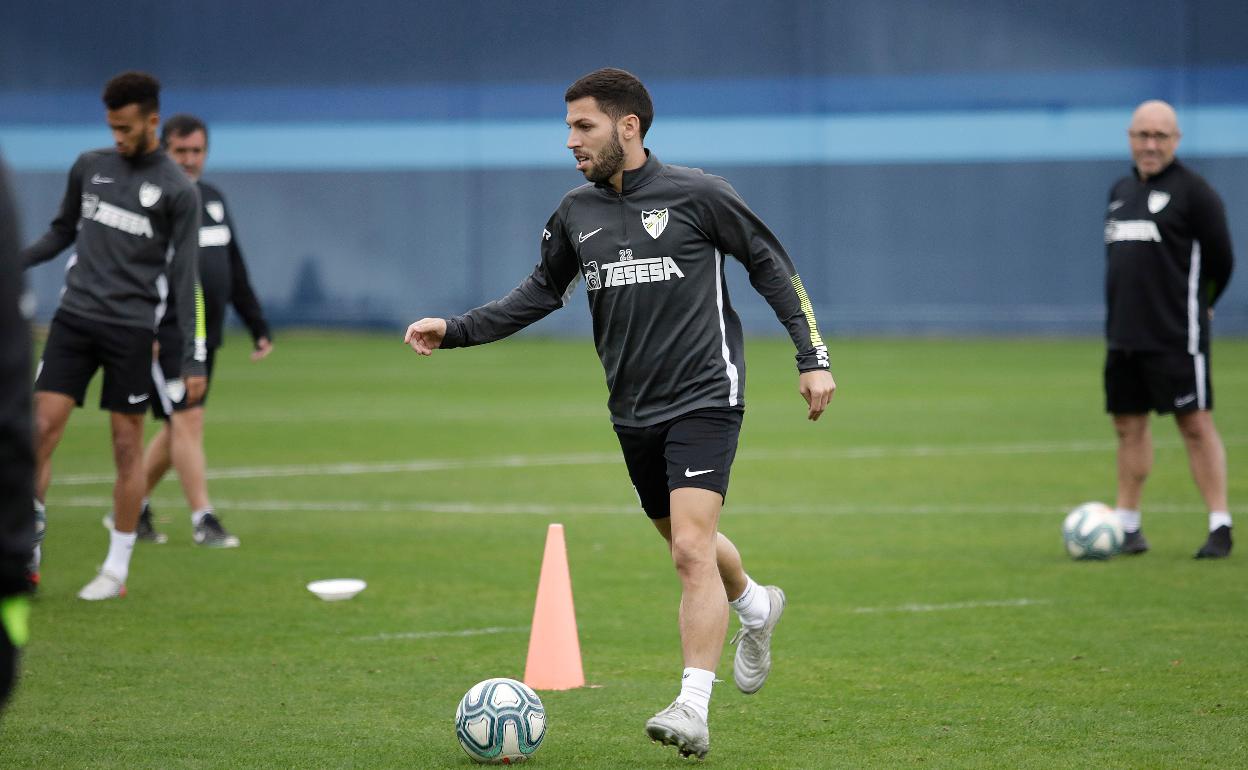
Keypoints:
pixel 15 617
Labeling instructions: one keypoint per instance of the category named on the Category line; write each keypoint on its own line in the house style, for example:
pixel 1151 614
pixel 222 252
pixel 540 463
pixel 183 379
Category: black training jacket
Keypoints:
pixel 222 274
pixel 134 225
pixel 1168 260
pixel 652 258
pixel 17 458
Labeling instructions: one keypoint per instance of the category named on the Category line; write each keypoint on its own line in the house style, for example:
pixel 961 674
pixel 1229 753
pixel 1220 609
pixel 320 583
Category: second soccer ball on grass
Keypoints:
pixel 1092 531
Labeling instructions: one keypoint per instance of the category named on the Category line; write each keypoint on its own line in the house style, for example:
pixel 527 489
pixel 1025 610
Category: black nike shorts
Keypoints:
pixel 166 374
pixel 78 346
pixel 1138 382
pixel 692 450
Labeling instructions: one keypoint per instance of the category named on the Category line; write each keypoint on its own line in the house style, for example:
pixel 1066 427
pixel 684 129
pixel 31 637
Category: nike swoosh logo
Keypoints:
pixel 136 399
pixel 97 179
pixel 586 236
pixel 1185 400
pixel 690 474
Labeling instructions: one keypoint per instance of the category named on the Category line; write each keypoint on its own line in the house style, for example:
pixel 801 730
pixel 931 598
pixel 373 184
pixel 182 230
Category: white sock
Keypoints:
pixel 198 516
pixel 1219 519
pixel 753 605
pixel 120 546
pixel 695 690
pixel 1130 519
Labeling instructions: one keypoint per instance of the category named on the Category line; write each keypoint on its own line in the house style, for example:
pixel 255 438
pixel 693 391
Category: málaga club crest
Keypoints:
pixel 655 222
pixel 149 194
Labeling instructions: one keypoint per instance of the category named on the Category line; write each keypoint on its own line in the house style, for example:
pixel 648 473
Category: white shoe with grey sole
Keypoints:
pixel 752 663
pixel 678 725
pixel 106 585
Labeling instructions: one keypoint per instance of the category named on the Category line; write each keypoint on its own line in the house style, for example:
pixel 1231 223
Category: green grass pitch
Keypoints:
pixel 934 619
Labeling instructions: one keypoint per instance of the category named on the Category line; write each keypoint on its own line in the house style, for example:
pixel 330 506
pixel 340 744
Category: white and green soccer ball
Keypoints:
pixel 500 722
pixel 1092 531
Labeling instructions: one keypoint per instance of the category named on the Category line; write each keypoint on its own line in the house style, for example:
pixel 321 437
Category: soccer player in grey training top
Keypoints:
pixel 133 219
pixel 650 241
pixel 223 277
pixel 1168 260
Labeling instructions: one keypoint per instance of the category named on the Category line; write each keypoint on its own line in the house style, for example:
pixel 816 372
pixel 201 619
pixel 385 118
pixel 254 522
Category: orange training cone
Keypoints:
pixel 554 649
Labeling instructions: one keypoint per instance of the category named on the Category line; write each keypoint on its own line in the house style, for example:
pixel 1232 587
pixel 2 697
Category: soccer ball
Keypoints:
pixel 1092 531
pixel 500 721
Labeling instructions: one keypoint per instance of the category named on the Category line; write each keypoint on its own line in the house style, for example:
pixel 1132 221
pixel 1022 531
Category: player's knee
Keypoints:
pixel 45 428
pixel 48 430
pixel 693 553
pixel 1196 427
pixel 1130 432
pixel 128 450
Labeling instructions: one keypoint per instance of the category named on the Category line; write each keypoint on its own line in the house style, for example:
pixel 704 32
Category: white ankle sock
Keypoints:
pixel 1130 519
pixel 198 516
pixel 120 546
pixel 695 690
pixel 753 605
pixel 1219 519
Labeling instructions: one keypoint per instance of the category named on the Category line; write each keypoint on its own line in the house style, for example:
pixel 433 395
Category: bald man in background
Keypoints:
pixel 1169 259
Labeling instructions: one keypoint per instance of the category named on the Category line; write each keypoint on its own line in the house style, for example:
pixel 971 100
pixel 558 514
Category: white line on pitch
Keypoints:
pixel 566 509
pixel 954 606
pixel 611 458
pixel 359 469
pixel 442 634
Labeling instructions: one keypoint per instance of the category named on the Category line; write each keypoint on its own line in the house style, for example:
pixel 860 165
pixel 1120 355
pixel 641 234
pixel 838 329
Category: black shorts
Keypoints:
pixel 692 450
pixel 78 346
pixel 166 376
pixel 1138 382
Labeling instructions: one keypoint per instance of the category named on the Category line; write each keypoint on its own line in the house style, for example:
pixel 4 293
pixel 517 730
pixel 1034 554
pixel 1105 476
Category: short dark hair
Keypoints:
pixel 182 124
pixel 617 92
pixel 133 88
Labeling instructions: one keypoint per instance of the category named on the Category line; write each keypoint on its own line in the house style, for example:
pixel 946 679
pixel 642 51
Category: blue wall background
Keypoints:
pixel 933 167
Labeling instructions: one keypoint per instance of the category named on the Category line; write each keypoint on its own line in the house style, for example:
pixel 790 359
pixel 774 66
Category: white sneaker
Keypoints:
pixel 752 663
pixel 679 726
pixel 106 585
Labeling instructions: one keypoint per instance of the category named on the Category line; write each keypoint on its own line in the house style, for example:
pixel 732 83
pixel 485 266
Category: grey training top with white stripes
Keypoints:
pixel 652 259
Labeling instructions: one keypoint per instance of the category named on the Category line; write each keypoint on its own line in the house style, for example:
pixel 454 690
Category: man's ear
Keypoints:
pixel 630 127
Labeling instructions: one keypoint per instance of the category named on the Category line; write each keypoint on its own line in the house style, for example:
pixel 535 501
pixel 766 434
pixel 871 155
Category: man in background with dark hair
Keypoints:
pixel 17 461
pixel 223 277
pixel 133 219
pixel 651 242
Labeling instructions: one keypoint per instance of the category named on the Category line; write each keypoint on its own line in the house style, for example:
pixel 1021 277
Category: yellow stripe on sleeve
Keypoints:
pixel 808 310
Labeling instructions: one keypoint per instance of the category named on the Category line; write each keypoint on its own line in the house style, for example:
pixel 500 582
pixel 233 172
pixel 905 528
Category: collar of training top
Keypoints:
pixel 636 178
pixel 142 161
pixel 1173 165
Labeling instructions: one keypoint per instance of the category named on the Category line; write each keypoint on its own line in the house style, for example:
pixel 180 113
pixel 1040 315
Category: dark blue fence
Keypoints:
pixel 932 167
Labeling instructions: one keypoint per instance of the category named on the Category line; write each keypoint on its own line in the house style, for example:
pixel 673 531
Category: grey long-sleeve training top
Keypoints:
pixel 652 259
pixel 134 225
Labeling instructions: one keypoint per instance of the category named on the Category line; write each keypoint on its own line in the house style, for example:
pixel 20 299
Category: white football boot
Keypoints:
pixel 752 663
pixel 678 725
pixel 106 585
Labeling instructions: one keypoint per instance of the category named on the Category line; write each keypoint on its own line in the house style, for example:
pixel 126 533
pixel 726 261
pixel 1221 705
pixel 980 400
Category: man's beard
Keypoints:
pixel 608 162
pixel 141 147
